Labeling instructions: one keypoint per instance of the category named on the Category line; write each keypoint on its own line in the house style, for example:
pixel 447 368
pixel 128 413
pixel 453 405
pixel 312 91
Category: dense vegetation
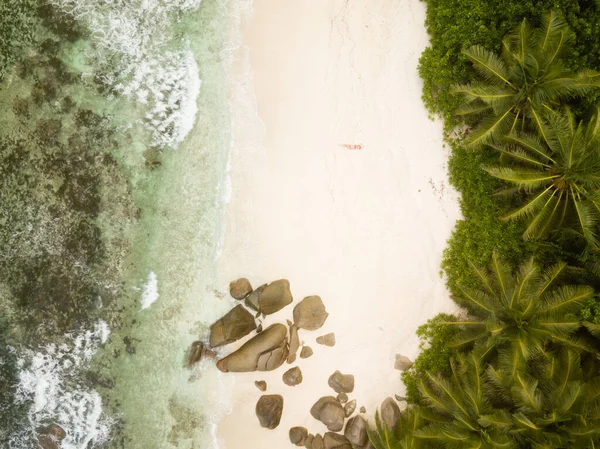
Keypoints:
pixel 518 88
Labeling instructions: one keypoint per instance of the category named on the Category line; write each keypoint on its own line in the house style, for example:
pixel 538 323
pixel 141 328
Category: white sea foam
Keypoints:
pixel 144 59
pixel 150 291
pixel 48 379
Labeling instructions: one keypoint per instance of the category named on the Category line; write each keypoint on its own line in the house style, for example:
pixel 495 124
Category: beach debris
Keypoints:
pixel 330 412
pixel 298 435
pixel 51 436
pixel 402 363
pixel 306 352
pixel 198 352
pixel 292 377
pixel 294 344
pixel 252 299
pixel 269 409
pixel 363 409
pixel 336 441
pixel 310 313
pixel 261 385
pixel 356 431
pixel 350 407
pixel 327 339
pixel 240 288
pixel 342 398
pixel 352 146
pixel 263 352
pixel 317 442
pixel 275 297
pixel 341 383
pixel 237 323
pixel 390 412
pixel 399 398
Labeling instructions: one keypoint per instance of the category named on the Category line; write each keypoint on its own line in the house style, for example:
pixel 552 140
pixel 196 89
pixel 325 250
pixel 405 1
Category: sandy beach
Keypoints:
pixel 364 229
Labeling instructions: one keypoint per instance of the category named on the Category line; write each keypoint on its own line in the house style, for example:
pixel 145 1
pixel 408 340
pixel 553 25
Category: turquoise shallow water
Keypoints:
pixel 114 145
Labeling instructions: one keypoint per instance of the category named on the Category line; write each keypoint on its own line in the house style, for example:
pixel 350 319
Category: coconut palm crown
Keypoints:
pixel 517 86
pixel 519 315
pixel 559 173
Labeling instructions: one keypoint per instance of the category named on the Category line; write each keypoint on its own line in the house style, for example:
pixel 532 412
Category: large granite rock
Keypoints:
pixel 341 383
pixel 402 363
pixel 390 412
pixel 275 297
pixel 269 409
pixel 327 339
pixel 237 323
pixel 298 435
pixel 310 313
pixel 251 300
pixel 330 412
pixel 294 344
pixel 240 288
pixel 336 441
pixel 263 352
pixel 292 377
pixel 51 436
pixel 198 352
pixel 356 431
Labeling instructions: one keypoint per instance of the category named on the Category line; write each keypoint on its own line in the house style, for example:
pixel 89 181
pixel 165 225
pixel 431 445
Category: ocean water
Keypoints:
pixel 114 147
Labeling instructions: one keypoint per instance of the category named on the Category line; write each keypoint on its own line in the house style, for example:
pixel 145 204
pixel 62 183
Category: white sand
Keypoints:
pixel 364 229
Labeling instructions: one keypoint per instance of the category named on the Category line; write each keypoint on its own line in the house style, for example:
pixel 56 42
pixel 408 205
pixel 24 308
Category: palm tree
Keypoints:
pixel 517 86
pixel 559 172
pixel 520 315
pixel 382 437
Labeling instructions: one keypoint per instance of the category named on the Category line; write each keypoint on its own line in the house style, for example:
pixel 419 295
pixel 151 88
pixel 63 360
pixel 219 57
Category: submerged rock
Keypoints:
pixel 240 288
pixel 330 412
pixel 261 385
pixel 310 313
pixel 327 339
pixel 306 352
pixel 292 377
pixel 336 441
pixel 198 352
pixel 237 323
pixel 252 299
pixel 298 435
pixel 269 409
pixel 390 412
pixel 341 383
pixel 275 297
pixel 294 344
pixel 50 437
pixel 263 352
pixel 356 431
pixel 402 363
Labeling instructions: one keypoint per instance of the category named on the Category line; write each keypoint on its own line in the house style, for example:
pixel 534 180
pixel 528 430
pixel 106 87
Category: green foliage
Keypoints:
pixel 434 356
pixel 17 31
pixel 454 25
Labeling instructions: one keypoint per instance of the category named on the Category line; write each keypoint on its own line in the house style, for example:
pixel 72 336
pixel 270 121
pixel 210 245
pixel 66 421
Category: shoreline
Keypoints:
pixel 306 209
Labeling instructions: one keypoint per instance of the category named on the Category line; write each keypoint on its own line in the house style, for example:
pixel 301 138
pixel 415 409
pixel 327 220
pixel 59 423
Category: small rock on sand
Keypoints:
pixel 269 409
pixel 252 299
pixel 306 352
pixel 390 412
pixel 298 435
pixel 198 352
pixel 292 377
pixel 350 407
pixel 240 288
pixel 342 398
pixel 402 363
pixel 261 385
pixel 363 409
pixel 237 323
pixel 327 339
pixel 336 441
pixel 294 344
pixel 309 440
pixel 317 442
pixel 330 412
pixel 399 398
pixel 310 313
pixel 341 383
pixel 275 297
pixel 356 431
